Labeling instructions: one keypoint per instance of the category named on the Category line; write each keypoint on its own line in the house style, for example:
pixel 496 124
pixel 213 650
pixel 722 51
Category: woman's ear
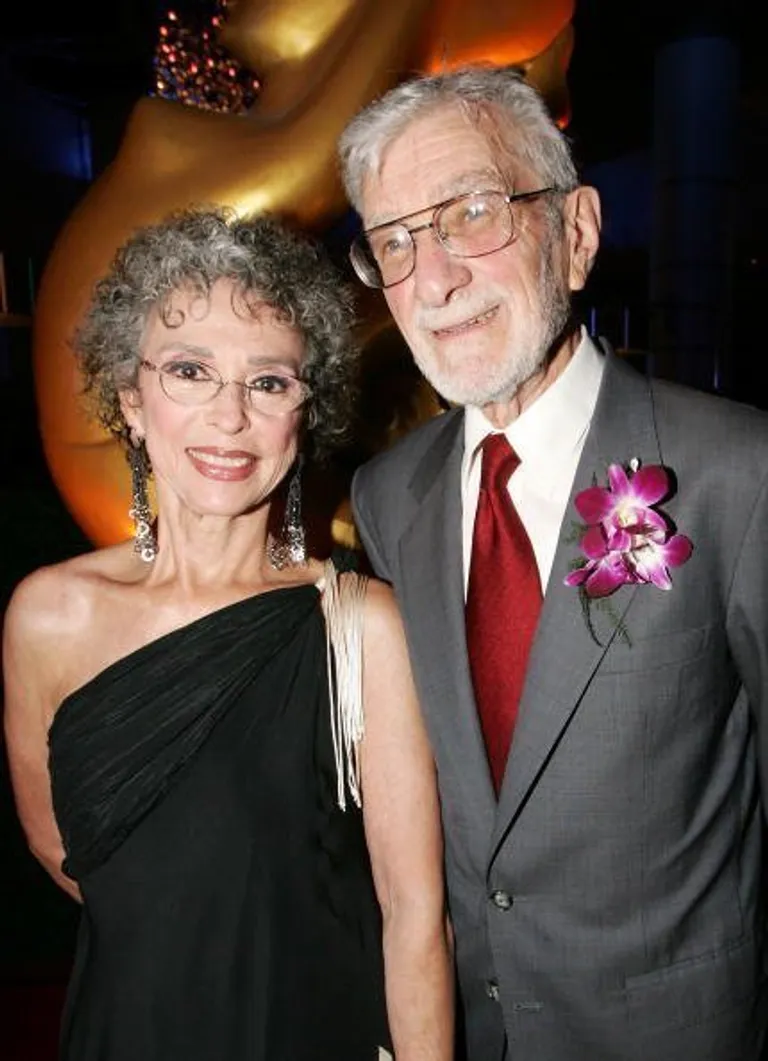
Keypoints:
pixel 582 227
pixel 132 410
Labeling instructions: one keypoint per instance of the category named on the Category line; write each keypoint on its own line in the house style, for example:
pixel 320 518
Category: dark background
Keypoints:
pixel 80 68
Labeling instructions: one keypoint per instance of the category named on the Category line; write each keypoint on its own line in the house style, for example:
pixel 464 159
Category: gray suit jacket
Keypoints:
pixel 612 905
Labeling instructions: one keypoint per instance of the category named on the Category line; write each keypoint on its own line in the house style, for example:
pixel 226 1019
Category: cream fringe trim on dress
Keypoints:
pixel 343 598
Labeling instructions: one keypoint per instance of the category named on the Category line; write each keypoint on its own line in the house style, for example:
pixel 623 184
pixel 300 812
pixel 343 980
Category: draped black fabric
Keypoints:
pixel 229 909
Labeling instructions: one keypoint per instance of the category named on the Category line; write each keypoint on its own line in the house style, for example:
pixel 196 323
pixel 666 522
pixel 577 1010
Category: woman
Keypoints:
pixel 203 779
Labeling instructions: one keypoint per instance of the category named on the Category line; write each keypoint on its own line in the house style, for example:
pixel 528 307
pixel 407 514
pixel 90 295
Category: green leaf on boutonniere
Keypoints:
pixel 602 604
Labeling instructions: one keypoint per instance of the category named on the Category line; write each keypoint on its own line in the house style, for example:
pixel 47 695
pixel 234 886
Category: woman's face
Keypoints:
pixel 223 457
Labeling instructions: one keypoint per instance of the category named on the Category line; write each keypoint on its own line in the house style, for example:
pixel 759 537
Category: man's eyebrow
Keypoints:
pixel 476 180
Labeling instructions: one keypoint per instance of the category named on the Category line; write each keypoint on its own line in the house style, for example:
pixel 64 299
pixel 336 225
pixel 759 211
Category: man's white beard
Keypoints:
pixel 531 349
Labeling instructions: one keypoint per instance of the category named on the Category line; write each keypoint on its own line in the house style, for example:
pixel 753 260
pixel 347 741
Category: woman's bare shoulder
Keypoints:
pixel 382 614
pixel 48 630
pixel 379 593
pixel 58 599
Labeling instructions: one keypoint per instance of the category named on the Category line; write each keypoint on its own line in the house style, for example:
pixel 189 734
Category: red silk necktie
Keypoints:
pixel 503 603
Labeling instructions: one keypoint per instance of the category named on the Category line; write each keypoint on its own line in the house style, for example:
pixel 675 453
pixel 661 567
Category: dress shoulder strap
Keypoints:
pixel 343 599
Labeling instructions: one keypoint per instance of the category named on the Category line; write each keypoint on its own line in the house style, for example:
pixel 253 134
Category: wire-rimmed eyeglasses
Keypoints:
pixel 190 382
pixel 468 226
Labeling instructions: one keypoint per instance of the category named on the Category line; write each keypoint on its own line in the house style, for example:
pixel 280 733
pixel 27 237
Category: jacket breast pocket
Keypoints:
pixel 652 652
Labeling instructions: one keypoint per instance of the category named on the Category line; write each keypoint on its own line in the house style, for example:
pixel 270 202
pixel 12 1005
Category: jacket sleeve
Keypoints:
pixel 367 525
pixel 747 626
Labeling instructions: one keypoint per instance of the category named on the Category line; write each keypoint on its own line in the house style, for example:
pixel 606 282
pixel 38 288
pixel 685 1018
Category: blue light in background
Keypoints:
pixel 625 186
pixel 43 132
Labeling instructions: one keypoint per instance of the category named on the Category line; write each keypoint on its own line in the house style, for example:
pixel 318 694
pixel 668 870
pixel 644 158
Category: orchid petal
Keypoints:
pixel 578 575
pixel 650 483
pixel 651 524
pixel 593 504
pixel 659 576
pixel 618 479
pixel 677 550
pixel 619 540
pixel 605 579
pixel 650 566
pixel 593 543
pixel 647 522
pixel 634 567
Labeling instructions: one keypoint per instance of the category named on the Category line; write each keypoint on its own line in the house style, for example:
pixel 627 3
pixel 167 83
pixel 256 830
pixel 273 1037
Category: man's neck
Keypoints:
pixel 502 413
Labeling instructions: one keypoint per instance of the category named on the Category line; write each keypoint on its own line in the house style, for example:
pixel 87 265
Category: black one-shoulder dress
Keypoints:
pixel 229 912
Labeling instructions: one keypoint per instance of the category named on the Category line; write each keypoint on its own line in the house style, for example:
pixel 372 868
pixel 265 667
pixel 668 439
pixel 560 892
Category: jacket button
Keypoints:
pixel 492 990
pixel 501 900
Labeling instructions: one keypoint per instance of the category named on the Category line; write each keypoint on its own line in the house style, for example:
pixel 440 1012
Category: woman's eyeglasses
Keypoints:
pixel 195 383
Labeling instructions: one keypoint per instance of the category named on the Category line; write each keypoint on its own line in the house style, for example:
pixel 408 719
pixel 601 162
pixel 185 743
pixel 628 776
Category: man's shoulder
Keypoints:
pixel 683 410
pixel 398 463
pixel 712 418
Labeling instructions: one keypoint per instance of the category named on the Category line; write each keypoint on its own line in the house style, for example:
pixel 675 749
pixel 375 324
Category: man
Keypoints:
pixel 589 632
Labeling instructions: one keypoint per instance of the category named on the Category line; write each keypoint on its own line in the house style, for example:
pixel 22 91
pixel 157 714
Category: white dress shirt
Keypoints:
pixel 548 437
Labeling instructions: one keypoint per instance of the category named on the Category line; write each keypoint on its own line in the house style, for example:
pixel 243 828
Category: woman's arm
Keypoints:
pixel 402 821
pixel 30 657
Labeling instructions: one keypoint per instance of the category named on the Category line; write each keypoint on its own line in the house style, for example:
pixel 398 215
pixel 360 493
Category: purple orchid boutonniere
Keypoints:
pixel 625 539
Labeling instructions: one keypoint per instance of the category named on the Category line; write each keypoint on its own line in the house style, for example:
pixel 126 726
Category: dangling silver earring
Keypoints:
pixel 290 548
pixel 144 544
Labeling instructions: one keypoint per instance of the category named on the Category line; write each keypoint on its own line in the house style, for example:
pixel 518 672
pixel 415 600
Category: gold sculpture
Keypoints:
pixel 318 62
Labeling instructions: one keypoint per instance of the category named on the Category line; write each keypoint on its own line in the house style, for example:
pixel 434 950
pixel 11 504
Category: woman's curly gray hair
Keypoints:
pixel 267 263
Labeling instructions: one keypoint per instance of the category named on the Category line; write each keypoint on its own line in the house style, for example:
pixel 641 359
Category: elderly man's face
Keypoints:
pixel 478 327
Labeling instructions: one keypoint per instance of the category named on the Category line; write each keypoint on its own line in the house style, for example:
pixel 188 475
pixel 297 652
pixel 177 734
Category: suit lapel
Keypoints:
pixel 432 596
pixel 622 428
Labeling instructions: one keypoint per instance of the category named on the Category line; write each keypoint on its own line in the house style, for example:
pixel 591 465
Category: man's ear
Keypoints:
pixel 582 231
pixel 131 408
